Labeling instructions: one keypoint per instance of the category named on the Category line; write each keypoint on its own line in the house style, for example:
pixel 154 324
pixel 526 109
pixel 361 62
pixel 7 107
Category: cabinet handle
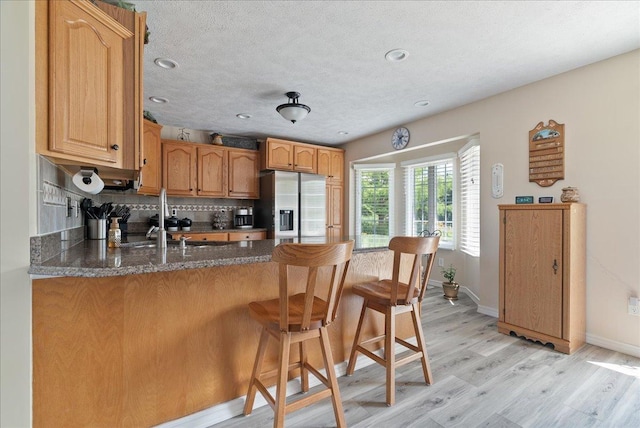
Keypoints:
pixel 115 147
pixel 144 162
pixel 555 267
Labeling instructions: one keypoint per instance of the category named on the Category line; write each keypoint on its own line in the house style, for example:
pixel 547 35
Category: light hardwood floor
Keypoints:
pixel 482 379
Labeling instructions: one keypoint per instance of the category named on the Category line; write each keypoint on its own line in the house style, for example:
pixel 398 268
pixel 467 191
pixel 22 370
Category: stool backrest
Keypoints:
pixel 336 256
pixel 416 248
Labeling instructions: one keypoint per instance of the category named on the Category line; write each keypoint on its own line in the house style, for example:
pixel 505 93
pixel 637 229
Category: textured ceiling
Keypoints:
pixel 242 56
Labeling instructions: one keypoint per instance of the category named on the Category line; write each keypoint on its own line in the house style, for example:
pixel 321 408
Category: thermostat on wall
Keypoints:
pixel 524 199
pixel 545 199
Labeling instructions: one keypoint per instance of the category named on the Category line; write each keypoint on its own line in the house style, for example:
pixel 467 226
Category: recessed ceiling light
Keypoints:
pixel 422 103
pixel 165 63
pixel 396 55
pixel 159 100
pixel 243 116
pixel 343 133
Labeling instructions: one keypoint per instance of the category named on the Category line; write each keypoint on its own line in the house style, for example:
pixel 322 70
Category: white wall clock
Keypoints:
pixel 400 138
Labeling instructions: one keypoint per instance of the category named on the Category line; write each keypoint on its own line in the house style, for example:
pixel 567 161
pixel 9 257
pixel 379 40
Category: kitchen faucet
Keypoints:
pixel 163 208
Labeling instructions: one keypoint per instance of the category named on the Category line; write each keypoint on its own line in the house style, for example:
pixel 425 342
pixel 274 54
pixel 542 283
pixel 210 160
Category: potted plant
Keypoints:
pixel 450 287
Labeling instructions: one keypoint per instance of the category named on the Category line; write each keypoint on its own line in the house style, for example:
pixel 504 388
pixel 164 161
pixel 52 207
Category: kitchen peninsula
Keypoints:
pixel 139 336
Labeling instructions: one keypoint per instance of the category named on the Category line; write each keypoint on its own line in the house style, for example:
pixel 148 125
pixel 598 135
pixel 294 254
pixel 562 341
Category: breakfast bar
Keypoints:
pixel 137 336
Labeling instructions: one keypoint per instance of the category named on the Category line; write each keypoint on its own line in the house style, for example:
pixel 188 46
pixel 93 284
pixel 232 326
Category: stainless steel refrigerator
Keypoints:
pixel 292 205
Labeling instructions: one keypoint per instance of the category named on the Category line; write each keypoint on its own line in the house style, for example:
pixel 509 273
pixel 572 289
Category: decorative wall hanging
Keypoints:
pixel 546 153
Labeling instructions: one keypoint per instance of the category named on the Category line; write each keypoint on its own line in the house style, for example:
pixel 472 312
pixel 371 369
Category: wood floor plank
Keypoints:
pixel 482 379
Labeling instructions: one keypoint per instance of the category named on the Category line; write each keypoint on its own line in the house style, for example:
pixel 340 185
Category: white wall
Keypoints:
pixel 17 208
pixel 600 107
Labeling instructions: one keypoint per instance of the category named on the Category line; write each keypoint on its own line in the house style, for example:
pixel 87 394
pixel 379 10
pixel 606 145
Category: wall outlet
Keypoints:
pixel 634 306
pixel 174 212
pixel 440 262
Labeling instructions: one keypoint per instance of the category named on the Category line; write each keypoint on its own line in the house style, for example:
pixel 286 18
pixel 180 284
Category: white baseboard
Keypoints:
pixel 603 342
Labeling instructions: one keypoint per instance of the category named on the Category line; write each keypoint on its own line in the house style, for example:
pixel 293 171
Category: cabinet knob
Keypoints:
pixel 555 267
pixel 115 147
pixel 144 162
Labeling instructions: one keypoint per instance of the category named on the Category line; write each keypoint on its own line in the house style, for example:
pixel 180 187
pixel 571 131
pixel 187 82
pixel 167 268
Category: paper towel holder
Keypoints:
pixel 87 172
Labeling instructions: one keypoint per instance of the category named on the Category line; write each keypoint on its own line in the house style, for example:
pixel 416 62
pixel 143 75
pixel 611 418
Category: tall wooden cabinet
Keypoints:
pixel 331 164
pixel 542 273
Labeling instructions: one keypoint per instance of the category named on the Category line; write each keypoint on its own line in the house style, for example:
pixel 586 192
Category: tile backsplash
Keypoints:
pixel 55 186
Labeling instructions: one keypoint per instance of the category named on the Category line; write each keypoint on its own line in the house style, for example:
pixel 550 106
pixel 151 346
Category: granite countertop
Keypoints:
pixel 92 258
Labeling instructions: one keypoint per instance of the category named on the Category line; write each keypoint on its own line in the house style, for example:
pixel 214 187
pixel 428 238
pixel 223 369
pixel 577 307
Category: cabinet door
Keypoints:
pixel 212 172
pixel 244 182
pixel 150 173
pixel 86 82
pixel 279 155
pixel 533 269
pixel 334 210
pixel 331 164
pixel 179 169
pixel 304 159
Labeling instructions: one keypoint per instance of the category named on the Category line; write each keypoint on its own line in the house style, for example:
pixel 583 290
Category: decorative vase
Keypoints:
pixel 450 290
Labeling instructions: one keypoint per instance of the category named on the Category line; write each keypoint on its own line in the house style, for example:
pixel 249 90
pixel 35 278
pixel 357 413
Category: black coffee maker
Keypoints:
pixel 243 218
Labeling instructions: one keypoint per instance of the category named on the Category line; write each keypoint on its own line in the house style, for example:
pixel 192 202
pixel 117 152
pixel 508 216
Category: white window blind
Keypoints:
pixel 374 200
pixel 470 199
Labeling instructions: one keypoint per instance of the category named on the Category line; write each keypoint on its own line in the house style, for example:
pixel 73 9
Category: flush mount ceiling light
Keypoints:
pixel 293 111
pixel 396 55
pixel 165 63
pixel 159 100
pixel 243 116
pixel 422 103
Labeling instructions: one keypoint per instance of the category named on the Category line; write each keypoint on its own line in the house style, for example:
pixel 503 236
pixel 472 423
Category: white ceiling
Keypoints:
pixel 242 56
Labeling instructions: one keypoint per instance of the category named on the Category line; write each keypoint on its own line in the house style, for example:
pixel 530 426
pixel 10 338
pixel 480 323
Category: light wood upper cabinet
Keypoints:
pixel 304 159
pixel 288 156
pixel 179 168
pixel 244 181
pixel 542 273
pixel 151 154
pixel 331 164
pixel 86 83
pixel 212 171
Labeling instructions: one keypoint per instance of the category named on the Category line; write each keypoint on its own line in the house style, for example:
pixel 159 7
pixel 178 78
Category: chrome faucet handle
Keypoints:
pixel 183 241
pixel 151 230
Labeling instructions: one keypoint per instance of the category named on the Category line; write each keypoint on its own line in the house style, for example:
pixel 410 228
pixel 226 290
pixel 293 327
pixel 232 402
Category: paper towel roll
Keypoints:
pixel 88 181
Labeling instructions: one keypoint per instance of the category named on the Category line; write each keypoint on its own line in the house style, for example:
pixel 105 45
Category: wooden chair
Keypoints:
pixel 392 297
pixel 296 318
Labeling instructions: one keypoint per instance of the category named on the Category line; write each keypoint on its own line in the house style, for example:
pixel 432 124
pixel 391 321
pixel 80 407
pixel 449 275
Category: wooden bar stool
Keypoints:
pixel 391 297
pixel 296 318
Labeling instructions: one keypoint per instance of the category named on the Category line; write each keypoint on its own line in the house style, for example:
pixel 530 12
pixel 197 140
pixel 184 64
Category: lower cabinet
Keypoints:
pixel 542 273
pixel 221 236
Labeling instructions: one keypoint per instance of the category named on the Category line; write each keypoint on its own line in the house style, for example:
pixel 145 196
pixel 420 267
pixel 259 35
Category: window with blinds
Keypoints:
pixel 429 184
pixel 469 185
pixel 374 200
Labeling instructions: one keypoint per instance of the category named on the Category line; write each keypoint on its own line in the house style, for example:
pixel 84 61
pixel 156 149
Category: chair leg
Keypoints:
pixel 331 376
pixel 426 367
pixel 257 369
pixel 389 353
pixel 356 341
pixel 281 383
pixel 304 373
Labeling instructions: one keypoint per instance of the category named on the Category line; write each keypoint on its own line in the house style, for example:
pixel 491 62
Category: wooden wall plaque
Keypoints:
pixel 546 153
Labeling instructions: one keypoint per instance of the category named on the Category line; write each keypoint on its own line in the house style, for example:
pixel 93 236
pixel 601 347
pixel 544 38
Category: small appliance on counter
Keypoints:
pixel 243 218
